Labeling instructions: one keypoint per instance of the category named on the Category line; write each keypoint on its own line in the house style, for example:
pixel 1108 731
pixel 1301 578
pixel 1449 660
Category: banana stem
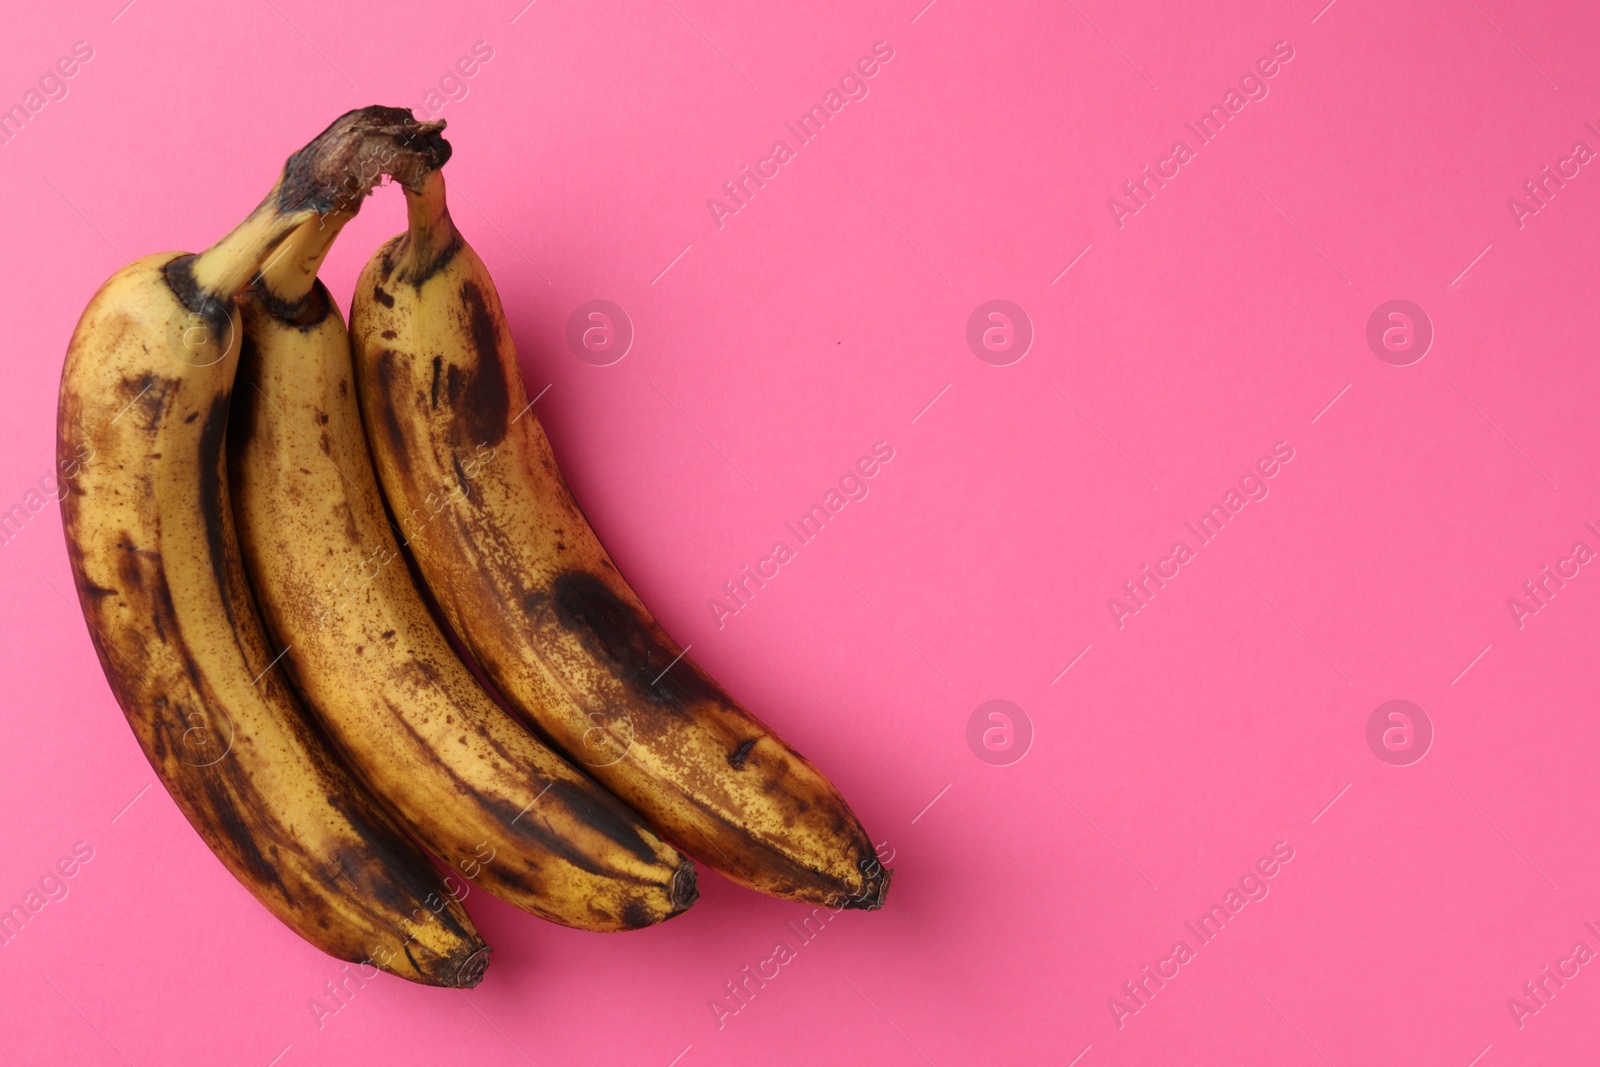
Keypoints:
pixel 291 272
pixel 227 266
pixel 328 177
pixel 426 211
pixel 430 232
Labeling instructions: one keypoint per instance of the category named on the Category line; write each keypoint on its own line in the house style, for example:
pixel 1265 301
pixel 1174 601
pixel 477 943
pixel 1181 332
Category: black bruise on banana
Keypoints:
pixel 874 888
pixel 215 312
pixel 607 816
pixel 242 419
pixel 480 398
pixel 139 391
pixel 225 806
pixel 391 384
pixel 598 811
pixel 393 853
pixel 213 503
pixel 303 314
pixel 461 477
pixel 737 757
pixel 612 630
pixel 230 799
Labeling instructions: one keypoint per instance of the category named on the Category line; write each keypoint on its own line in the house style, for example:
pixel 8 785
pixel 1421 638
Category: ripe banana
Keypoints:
pixel 461 772
pixel 523 580
pixel 159 578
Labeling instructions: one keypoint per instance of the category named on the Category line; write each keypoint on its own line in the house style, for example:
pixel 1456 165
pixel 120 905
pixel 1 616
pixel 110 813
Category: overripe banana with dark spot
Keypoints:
pixel 154 555
pixel 526 584
pixel 462 773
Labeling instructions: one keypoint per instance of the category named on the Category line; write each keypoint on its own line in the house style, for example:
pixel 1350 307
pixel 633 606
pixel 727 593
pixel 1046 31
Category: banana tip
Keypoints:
pixel 685 886
pixel 874 894
pixel 472 969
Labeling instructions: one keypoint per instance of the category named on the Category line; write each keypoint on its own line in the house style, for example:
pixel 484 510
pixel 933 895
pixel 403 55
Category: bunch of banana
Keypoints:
pixel 154 555
pixel 540 605
pixel 233 511
pixel 475 786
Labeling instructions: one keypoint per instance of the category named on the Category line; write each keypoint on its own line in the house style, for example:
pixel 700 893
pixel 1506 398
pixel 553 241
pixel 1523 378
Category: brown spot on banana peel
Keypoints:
pixel 793 879
pixel 382 297
pixel 151 400
pixel 591 807
pixel 737 757
pixel 635 649
pixel 213 494
pixel 401 887
pixel 391 386
pixel 480 397
pixel 386 253
pixel 242 415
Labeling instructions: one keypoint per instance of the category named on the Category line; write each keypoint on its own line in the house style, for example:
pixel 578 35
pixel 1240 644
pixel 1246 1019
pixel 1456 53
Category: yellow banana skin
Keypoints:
pixel 462 773
pixel 159 578
pixel 534 596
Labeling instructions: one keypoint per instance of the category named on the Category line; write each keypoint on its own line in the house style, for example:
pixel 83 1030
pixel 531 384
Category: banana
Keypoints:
pixel 461 772
pixel 526 584
pixel 154 556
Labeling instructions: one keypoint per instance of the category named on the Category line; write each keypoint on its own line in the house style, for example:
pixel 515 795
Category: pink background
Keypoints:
pixel 1223 317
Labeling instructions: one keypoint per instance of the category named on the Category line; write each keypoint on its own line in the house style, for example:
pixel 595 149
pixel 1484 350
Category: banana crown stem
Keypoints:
pixel 430 232
pixel 291 272
pixel 325 179
pixel 426 210
pixel 227 266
